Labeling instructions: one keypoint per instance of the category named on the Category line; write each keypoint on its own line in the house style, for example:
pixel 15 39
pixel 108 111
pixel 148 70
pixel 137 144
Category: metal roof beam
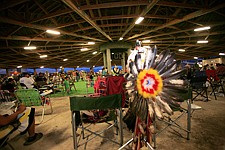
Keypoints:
pixel 185 18
pixel 70 4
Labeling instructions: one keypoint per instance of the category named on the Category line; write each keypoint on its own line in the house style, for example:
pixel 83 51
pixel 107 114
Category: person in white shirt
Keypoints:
pixel 27 81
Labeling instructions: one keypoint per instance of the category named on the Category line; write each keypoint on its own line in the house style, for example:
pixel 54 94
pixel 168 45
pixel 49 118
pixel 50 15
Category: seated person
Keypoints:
pixel 9 85
pixel 116 71
pixel 41 80
pixel 26 118
pixel 26 80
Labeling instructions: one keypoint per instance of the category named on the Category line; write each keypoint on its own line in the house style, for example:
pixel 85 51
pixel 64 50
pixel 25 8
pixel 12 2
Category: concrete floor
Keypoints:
pixel 208 130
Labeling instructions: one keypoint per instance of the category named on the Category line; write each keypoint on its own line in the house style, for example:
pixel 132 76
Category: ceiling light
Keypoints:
pixel 202 28
pixel 112 53
pixel 43 56
pixel 88 60
pixel 77 66
pixel 181 50
pixel 53 32
pixel 146 46
pixel 42 67
pixel 91 43
pixel 195 57
pixel 60 67
pixel 121 38
pixel 146 41
pixel 94 52
pixel 93 66
pixel 19 66
pixel 65 59
pixel 222 54
pixel 202 41
pixel 30 47
pixel 139 20
pixel 84 49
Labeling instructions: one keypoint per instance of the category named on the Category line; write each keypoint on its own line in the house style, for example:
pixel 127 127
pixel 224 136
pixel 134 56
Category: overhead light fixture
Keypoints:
pixel 202 28
pixel 222 54
pixel 121 38
pixel 94 52
pixel 93 66
pixel 53 32
pixel 195 57
pixel 139 20
pixel 112 53
pixel 202 41
pixel 88 60
pixel 65 59
pixel 146 41
pixel 146 46
pixel 30 47
pixel 181 50
pixel 84 49
pixel 43 56
pixel 42 67
pixel 60 67
pixel 91 43
pixel 19 66
pixel 78 66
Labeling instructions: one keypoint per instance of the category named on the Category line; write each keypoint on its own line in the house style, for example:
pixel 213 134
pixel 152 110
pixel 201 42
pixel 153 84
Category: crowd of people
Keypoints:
pixel 37 80
pixel 219 69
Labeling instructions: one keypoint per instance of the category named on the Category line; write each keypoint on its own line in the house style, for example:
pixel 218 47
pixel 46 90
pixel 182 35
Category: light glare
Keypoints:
pixel 91 43
pixel 84 49
pixel 202 41
pixel 94 52
pixel 181 50
pixel 146 41
pixel 43 56
pixel 201 29
pixel 139 20
pixel 53 32
pixel 30 47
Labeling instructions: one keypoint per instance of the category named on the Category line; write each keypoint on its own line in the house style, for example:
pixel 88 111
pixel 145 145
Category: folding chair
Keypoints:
pixel 32 97
pixel 199 85
pixel 5 96
pixel 6 131
pixel 173 122
pixel 215 82
pixel 112 102
pixel 100 86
